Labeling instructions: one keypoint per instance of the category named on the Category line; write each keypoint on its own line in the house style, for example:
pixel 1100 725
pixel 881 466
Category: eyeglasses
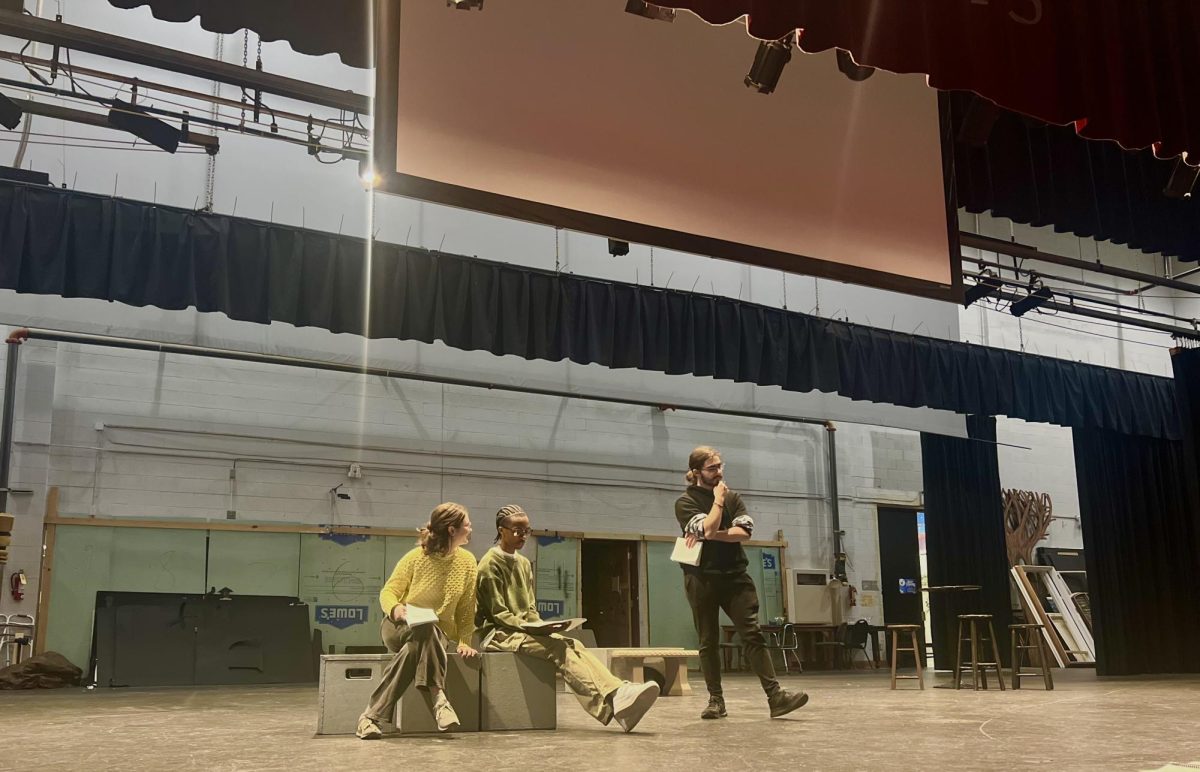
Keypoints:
pixel 518 532
pixel 713 468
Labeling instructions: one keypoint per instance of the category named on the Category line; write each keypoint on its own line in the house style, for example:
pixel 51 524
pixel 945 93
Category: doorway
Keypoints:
pixel 609 584
pixel 902 568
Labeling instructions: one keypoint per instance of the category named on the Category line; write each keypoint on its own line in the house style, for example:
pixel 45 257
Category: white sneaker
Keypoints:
pixel 368 729
pixel 444 714
pixel 631 701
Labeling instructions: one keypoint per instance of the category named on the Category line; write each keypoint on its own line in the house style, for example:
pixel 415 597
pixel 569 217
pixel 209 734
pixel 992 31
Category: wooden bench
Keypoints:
pixel 631 665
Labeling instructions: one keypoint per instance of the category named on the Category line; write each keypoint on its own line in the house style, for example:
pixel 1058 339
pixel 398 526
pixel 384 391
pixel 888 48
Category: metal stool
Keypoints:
pixel 978 668
pixel 1029 638
pixel 913 633
pixel 16 638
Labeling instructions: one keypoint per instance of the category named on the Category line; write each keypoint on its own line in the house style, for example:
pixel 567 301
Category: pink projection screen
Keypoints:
pixel 576 114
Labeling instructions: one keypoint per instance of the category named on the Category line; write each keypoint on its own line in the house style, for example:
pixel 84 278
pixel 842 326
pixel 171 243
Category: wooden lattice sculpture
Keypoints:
pixel 1027 517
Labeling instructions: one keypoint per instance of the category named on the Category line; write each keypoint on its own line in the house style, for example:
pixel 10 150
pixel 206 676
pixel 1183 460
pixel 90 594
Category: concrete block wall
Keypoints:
pixel 139 435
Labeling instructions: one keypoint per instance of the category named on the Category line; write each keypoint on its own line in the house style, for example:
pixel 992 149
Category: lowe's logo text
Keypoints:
pixel 341 617
pixel 549 609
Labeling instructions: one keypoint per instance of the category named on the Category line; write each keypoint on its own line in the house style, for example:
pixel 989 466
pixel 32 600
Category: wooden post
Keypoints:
pixel 45 575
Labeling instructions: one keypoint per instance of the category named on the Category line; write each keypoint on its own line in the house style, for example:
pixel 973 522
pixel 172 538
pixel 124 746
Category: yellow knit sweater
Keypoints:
pixel 444 583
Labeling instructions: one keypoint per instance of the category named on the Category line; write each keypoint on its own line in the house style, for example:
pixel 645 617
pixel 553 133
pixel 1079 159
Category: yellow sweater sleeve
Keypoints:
pixel 464 616
pixel 395 590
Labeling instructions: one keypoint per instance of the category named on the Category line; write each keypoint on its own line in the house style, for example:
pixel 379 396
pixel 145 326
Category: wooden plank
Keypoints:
pixel 44 578
pixel 1067 621
pixel 1034 605
pixel 1062 596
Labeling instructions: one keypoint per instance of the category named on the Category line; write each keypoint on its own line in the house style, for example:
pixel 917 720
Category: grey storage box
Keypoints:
pixel 347 681
pixel 517 692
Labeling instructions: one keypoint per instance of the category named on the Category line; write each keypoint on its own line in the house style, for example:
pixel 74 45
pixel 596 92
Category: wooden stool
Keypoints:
pixel 1028 638
pixel 913 632
pixel 978 668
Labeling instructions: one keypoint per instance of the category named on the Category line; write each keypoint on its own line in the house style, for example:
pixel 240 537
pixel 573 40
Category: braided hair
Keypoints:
pixel 505 512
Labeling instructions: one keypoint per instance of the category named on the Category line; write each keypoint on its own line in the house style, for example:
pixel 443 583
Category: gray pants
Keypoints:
pixel 420 659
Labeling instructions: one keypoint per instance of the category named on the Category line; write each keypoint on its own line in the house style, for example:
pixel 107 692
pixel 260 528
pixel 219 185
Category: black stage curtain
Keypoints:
pixel 1140 504
pixel 312 27
pixel 964 534
pixel 1186 366
pixel 58 242
pixel 1038 174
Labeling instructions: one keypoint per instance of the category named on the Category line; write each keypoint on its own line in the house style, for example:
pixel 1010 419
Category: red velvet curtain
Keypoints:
pixel 1119 69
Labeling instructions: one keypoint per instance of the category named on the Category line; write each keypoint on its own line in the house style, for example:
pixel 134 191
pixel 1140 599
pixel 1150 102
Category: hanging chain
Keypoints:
pixel 210 182
pixel 245 65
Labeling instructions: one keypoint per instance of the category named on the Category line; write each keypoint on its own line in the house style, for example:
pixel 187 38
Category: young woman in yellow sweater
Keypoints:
pixel 437 575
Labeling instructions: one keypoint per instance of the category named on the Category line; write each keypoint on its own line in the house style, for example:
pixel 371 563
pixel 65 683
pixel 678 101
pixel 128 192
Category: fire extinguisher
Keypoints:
pixel 16 583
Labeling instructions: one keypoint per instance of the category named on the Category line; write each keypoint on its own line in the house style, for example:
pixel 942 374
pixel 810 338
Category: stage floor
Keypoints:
pixel 853 722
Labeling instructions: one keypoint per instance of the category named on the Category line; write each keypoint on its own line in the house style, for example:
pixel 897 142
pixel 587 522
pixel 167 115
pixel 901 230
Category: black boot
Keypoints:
pixel 783 702
pixel 715 709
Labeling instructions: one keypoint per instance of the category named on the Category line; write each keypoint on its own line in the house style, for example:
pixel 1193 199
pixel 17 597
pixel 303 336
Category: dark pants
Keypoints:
pixel 420 659
pixel 708 594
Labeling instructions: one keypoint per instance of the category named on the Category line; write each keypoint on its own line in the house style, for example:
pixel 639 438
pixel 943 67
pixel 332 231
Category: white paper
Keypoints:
pixel 418 616
pixel 684 554
pixel 546 627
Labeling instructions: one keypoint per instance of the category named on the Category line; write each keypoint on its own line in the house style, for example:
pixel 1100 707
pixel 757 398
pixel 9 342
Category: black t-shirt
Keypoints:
pixel 716 557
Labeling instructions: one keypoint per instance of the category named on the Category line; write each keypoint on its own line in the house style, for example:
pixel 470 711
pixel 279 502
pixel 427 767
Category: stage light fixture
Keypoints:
pixel 1182 180
pixel 368 174
pixel 618 248
pixel 465 5
pixel 852 70
pixel 1037 298
pixel 650 10
pixel 769 61
pixel 133 119
pixel 10 113
pixel 987 285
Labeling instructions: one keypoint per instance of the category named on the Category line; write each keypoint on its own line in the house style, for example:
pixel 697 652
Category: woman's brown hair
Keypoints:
pixel 435 535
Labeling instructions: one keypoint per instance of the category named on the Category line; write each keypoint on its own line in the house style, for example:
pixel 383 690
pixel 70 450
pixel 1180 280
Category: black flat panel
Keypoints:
pixel 165 639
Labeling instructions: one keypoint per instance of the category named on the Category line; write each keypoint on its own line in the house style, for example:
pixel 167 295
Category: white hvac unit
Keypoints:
pixel 816 598
pixel 810 601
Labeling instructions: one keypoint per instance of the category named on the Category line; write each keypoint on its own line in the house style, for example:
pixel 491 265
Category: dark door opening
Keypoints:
pixel 900 568
pixel 609 585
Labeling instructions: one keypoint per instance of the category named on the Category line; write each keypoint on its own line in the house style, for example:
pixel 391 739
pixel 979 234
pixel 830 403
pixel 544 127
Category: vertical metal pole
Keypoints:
pixel 835 518
pixel 6 421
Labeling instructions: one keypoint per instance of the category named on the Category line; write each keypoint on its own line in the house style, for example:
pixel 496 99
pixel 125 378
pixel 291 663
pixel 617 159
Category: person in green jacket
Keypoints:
pixel 505 602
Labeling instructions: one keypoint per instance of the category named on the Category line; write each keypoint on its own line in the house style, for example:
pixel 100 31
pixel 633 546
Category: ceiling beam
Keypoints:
pixel 56 33
pixel 211 144
pixel 1092 313
pixel 1013 249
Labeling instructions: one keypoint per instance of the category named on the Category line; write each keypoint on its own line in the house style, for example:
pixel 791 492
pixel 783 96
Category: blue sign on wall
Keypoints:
pixel 908 586
pixel 768 561
pixel 341 617
pixel 551 609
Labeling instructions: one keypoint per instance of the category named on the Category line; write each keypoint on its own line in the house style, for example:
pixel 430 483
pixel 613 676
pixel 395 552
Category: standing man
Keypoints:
pixel 506 604
pixel 711 513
